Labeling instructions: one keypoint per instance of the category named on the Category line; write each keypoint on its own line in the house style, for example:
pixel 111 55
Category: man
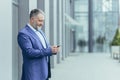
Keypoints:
pixel 35 48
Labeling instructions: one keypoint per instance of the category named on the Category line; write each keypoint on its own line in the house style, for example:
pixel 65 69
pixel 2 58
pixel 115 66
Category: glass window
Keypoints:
pixel 16 1
pixel 81 16
pixel 107 5
pixel 81 5
pixel 105 22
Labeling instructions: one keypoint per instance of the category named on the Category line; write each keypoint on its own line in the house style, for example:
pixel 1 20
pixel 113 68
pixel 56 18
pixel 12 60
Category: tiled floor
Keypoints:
pixel 94 66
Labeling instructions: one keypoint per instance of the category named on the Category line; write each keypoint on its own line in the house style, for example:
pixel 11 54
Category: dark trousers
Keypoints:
pixel 49 69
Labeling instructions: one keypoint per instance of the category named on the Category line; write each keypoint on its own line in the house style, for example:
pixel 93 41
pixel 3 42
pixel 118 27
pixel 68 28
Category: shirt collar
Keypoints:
pixel 31 27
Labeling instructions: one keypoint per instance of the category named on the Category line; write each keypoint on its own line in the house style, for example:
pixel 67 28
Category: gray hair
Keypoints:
pixel 35 12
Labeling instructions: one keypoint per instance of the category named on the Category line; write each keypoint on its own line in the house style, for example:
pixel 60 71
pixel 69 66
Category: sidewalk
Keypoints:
pixel 94 66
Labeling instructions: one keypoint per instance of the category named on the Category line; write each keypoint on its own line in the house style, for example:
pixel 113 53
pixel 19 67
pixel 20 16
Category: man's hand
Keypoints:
pixel 55 49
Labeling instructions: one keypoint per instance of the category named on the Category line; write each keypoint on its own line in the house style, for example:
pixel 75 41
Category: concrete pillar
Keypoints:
pixel 90 23
pixel 23 18
pixel 6 40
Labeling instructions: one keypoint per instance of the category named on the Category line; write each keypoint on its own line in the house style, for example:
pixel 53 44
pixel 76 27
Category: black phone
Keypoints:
pixel 58 45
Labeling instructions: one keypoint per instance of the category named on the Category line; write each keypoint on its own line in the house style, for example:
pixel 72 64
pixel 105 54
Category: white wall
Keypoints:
pixel 60 25
pixel 5 39
pixel 32 4
pixel 55 21
pixel 47 19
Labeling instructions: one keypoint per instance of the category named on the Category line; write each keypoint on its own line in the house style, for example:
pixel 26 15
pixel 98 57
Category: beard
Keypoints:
pixel 36 27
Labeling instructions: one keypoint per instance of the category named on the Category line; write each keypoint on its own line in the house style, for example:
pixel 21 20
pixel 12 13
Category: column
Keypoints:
pixel 23 18
pixel 6 40
pixel 90 23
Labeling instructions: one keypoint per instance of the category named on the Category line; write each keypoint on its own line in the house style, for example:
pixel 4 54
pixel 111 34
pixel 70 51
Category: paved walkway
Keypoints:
pixel 94 66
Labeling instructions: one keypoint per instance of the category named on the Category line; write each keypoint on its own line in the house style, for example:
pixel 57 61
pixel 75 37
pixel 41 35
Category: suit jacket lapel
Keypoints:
pixel 34 35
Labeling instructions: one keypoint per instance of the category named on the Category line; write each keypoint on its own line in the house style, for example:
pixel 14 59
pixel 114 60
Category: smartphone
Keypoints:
pixel 58 45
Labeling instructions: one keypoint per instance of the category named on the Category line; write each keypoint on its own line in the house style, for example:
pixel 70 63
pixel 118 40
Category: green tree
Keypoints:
pixel 116 39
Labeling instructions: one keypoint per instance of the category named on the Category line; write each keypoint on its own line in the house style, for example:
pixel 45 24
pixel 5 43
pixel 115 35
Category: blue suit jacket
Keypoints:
pixel 35 65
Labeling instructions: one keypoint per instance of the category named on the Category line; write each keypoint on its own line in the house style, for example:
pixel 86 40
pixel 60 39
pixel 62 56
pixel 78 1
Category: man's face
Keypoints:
pixel 38 21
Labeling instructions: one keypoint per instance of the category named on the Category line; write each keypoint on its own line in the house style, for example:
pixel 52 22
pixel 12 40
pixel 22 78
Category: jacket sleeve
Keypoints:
pixel 28 50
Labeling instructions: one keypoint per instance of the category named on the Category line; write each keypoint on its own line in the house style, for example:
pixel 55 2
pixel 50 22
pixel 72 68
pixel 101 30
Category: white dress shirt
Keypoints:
pixel 41 38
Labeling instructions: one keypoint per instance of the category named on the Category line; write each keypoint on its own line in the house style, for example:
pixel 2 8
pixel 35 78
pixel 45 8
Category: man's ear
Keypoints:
pixel 32 19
